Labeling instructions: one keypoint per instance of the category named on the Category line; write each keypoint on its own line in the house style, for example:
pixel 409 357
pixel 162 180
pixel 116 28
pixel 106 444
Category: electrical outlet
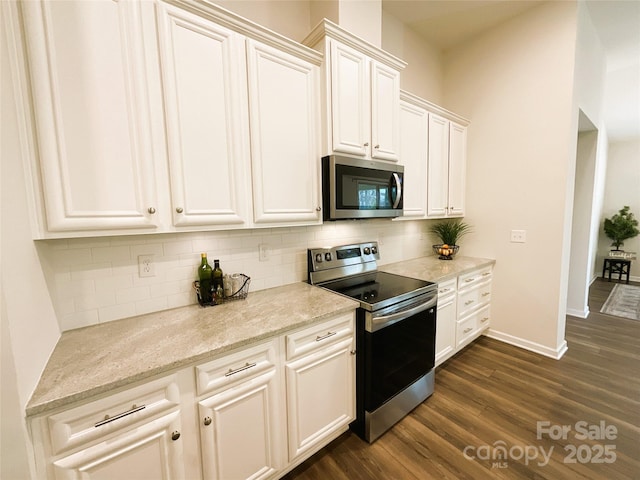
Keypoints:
pixel 263 252
pixel 518 236
pixel 146 266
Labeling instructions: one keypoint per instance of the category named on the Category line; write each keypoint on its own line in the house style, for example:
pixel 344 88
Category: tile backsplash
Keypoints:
pixel 96 280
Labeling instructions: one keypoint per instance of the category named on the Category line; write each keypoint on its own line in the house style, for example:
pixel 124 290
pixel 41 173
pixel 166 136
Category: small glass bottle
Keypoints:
pixel 205 278
pixel 217 276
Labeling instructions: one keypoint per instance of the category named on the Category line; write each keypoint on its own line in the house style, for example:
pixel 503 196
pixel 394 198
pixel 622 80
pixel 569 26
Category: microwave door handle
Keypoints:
pixel 396 179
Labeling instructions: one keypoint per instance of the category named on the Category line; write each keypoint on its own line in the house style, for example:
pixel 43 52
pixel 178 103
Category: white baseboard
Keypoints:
pixel 578 313
pixel 527 345
pixel 632 278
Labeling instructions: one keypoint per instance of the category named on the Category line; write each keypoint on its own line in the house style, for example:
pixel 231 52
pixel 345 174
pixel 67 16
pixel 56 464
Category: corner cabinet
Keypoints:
pixel 362 93
pixel 92 114
pixel 131 141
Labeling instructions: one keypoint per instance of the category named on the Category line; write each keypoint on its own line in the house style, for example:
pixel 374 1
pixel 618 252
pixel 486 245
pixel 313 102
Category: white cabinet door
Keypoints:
pixel 350 100
pixel 457 169
pixel 92 114
pixel 152 450
pixel 385 112
pixel 445 328
pixel 446 168
pixel 239 430
pixel 413 151
pixel 438 166
pixel 204 86
pixel 320 395
pixel 284 123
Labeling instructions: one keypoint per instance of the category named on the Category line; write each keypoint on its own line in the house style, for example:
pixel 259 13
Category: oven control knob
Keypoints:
pixel 374 250
pixel 318 257
pixel 327 256
pixel 367 250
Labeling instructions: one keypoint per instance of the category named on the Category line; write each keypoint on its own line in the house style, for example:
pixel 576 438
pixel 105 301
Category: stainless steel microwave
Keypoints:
pixel 354 188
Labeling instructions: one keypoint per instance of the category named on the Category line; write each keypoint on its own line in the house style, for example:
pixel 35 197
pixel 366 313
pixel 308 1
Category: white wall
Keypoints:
pixel 29 326
pixel 622 188
pixel 423 75
pixel 515 84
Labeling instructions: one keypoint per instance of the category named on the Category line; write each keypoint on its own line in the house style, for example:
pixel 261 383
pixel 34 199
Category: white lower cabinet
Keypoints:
pixel 240 422
pixel 446 321
pixel 320 376
pixel 464 311
pixel 230 418
pixel 133 434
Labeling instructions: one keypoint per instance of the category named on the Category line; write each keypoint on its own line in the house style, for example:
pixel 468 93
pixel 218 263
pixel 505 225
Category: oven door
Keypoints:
pixel 399 348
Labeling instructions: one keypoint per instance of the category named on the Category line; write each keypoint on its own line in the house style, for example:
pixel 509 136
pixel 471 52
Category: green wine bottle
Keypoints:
pixel 205 277
pixel 217 280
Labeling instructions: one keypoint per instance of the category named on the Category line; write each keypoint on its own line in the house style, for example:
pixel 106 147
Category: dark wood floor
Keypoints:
pixel 492 394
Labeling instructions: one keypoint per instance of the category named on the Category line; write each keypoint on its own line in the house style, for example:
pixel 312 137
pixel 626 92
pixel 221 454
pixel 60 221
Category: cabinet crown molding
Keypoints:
pixel 433 108
pixel 326 28
pixel 228 19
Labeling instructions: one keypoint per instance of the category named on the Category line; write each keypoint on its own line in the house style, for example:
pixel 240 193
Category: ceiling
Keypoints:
pixel 447 23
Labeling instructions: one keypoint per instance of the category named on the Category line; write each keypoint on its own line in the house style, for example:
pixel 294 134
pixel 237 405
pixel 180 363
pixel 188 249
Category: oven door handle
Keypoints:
pixel 374 324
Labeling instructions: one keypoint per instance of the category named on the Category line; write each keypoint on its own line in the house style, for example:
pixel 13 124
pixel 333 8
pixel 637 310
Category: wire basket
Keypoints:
pixel 239 290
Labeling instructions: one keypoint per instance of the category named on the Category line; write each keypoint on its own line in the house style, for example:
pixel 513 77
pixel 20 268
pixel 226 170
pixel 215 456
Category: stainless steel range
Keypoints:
pixel 395 339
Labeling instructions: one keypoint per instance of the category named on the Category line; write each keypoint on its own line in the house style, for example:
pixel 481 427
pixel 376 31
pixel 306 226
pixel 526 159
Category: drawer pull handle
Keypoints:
pixel 486 293
pixel 329 334
pixel 108 419
pixel 468 302
pixel 445 290
pixel 467 330
pixel 486 273
pixel 469 280
pixel 238 370
pixel 484 319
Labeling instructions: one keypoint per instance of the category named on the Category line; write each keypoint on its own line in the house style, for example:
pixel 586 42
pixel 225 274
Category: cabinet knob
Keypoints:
pixel 366 144
pixel 353 352
pixel 318 209
pixel 179 210
pixel 207 421
pixel 175 436
pixel 151 210
pixel 376 146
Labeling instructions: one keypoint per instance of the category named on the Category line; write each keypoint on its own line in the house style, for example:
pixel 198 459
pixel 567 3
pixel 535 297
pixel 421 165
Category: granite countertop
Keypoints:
pixel 434 270
pixel 97 359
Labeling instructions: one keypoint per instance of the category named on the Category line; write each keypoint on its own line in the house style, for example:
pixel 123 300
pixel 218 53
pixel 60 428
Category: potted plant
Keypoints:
pixel 449 232
pixel 620 227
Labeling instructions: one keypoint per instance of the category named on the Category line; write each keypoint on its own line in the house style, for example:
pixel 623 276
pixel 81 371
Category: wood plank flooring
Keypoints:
pixel 492 395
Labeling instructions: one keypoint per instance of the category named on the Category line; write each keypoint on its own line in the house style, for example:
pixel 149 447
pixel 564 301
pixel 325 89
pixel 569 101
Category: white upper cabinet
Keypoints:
pixel 447 157
pixel 413 151
pixel 89 87
pixel 151 117
pixel 204 86
pixel 284 124
pixel 362 105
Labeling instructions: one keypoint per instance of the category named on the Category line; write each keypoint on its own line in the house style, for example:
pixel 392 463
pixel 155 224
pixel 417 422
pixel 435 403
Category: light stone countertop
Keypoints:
pixel 433 269
pixel 97 359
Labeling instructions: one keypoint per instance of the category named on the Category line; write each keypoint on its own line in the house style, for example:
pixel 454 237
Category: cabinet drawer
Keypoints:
pixel 320 335
pixel 484 318
pixel 96 419
pixel 446 288
pixel 474 277
pixel 234 367
pixel 465 329
pixel 473 298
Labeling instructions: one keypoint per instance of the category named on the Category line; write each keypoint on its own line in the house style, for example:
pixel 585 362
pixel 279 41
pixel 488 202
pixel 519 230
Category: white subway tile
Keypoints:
pixel 113 283
pixel 177 247
pixel 133 294
pixel 116 312
pixel 78 320
pixel 90 271
pixel 152 305
pixel 111 254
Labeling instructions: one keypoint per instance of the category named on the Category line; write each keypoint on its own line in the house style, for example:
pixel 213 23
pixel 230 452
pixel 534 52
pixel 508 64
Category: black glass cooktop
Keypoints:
pixel 379 289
